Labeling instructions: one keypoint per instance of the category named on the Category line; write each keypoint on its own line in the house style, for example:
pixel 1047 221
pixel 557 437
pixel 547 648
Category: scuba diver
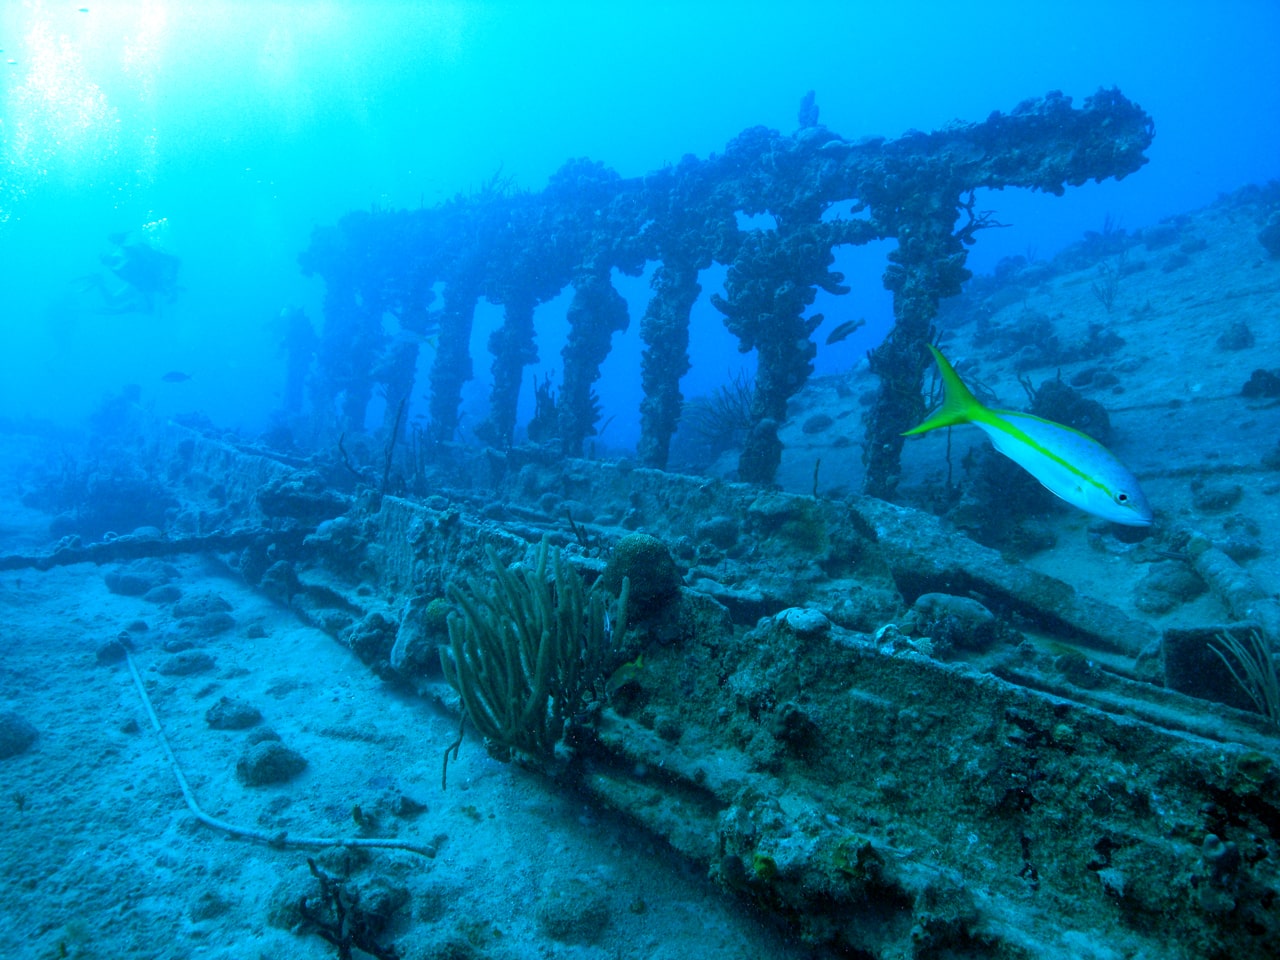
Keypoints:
pixel 146 271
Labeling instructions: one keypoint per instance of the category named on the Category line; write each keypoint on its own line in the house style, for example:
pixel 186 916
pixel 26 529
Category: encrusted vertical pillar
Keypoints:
pixel 927 266
pixel 769 286
pixel 396 370
pixel 344 359
pixel 452 367
pixel 596 313
pixel 513 349
pixel 300 343
pixel 665 330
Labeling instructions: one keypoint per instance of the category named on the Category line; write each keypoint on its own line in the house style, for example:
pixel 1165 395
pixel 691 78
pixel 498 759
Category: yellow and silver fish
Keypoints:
pixel 1067 463
pixel 629 672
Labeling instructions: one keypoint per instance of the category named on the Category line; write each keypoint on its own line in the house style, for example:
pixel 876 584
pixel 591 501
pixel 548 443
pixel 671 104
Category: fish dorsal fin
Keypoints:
pixel 959 405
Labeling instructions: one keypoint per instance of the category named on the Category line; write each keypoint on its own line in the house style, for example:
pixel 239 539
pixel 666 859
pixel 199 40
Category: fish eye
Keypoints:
pixel 1122 498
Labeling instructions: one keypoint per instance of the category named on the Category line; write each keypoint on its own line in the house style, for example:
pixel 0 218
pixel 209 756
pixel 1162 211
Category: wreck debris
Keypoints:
pixel 338 917
pixel 790 740
pixel 1243 596
pixel 521 249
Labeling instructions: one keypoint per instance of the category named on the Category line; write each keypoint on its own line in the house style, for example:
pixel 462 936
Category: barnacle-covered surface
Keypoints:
pixel 522 249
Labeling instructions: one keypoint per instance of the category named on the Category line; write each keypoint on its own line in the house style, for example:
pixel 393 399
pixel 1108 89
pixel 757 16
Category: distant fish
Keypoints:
pixel 175 376
pixel 429 340
pixel 629 672
pixel 845 329
pixel 1068 463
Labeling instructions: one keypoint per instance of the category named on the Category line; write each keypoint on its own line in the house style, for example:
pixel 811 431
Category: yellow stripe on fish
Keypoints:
pixel 1069 464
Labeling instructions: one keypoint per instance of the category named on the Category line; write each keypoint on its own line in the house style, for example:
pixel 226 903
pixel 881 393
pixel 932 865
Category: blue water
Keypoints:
pixel 226 132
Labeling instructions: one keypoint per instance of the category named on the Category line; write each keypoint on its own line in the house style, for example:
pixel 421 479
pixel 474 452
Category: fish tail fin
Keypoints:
pixel 959 405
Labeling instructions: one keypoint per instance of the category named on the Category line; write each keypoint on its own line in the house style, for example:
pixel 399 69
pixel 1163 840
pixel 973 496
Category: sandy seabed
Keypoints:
pixel 102 858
